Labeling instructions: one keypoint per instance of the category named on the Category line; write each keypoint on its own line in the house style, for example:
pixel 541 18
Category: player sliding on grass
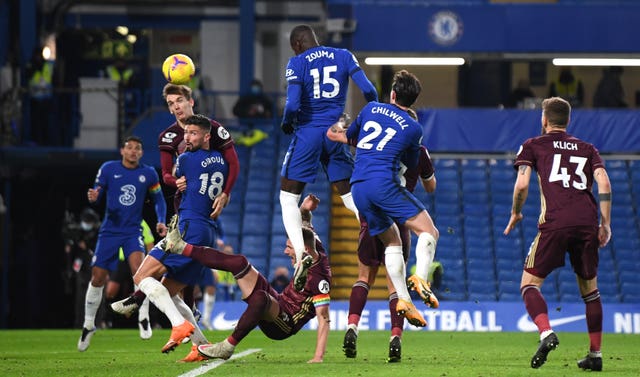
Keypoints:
pixel 279 315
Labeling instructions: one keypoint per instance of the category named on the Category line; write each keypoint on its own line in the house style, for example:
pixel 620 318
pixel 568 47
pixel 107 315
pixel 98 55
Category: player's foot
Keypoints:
pixel 548 344
pixel 423 289
pixel 85 339
pixel 349 343
pixel 172 242
pixel 178 333
pixel 222 350
pixel 145 329
pixel 126 306
pixel 409 311
pixel 395 350
pixel 301 271
pixel 193 356
pixel 590 362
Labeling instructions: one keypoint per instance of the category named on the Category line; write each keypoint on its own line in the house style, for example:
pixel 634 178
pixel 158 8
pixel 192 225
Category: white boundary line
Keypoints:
pixel 214 364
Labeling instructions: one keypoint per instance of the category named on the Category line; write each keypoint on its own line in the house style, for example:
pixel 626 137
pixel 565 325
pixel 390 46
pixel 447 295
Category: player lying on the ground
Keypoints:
pixel 279 315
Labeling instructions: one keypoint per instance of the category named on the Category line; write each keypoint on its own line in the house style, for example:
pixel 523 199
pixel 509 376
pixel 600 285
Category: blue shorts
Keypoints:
pixel 206 278
pixel 181 268
pixel 381 202
pixel 311 146
pixel 108 249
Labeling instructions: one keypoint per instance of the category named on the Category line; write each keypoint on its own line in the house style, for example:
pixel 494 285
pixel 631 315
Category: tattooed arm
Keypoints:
pixel 520 192
pixel 604 197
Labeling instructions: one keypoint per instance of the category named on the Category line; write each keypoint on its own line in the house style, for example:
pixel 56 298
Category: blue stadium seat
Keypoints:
pixel 475 196
pixel 257 193
pixel 608 289
pixel 482 297
pixel 631 298
pixel 570 297
pixel 484 264
pixel 255 245
pixel 448 224
pixel 474 163
pixel 256 223
pixel 475 252
pixel 509 286
pixel 476 209
pixel 509 297
pixel 447 176
pixel 446 164
pixel 567 287
pixel 479 275
pixel 628 277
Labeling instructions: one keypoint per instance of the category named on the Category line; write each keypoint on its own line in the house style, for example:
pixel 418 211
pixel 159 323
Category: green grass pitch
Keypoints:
pixel 48 353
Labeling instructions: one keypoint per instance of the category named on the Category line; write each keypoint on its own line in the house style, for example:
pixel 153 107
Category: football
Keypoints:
pixel 178 69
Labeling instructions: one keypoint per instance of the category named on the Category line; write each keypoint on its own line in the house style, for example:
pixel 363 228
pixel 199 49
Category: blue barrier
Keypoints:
pixel 493 130
pixel 462 316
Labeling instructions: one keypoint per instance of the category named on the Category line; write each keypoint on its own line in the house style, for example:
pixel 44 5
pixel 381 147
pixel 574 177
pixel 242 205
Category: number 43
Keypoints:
pixel 560 174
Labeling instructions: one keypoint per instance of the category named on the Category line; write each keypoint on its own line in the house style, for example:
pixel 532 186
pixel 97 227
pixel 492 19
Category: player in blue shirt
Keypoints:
pixel 386 135
pixel 125 183
pixel 202 174
pixel 318 80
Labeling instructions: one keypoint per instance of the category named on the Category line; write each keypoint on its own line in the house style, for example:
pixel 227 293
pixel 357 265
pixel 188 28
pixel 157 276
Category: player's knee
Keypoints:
pixel 259 299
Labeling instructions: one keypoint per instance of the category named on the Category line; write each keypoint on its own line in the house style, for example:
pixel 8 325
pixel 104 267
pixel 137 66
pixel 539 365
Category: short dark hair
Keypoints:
pixel 132 138
pixel 557 111
pixel 182 90
pixel 407 88
pixel 199 120
pixel 302 32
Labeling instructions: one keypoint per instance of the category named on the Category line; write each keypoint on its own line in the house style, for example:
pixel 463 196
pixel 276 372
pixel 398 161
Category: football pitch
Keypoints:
pixel 121 353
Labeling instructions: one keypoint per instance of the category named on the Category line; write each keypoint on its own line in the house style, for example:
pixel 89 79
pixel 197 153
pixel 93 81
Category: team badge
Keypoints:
pixel 168 137
pixel 445 28
pixel 142 179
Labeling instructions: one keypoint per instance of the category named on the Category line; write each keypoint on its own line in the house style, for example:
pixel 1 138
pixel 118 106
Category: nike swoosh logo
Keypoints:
pixel 220 323
pixel 117 176
pixel 525 324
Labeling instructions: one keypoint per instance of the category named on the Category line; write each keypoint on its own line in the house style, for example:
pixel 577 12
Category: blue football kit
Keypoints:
pixel 318 81
pixel 206 173
pixel 125 190
pixel 385 136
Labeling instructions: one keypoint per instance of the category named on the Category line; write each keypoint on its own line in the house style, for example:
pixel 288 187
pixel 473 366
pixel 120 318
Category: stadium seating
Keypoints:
pixel 471 207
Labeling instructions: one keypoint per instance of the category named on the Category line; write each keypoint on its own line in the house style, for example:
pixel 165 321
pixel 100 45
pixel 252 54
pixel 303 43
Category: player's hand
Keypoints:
pixel 604 234
pixel 310 203
pixel 515 219
pixel 219 203
pixel 161 228
pixel 181 184
pixel 93 194
pixel 287 128
pixel 315 360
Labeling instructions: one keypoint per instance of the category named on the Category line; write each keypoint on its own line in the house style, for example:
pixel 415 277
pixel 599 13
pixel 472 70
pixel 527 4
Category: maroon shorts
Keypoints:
pixel 371 249
pixel 280 328
pixel 548 250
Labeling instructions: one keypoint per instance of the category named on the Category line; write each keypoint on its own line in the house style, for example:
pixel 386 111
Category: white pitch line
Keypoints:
pixel 214 364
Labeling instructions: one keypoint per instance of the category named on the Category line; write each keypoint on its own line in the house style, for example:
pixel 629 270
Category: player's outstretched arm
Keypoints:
pixel 367 88
pixel 322 313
